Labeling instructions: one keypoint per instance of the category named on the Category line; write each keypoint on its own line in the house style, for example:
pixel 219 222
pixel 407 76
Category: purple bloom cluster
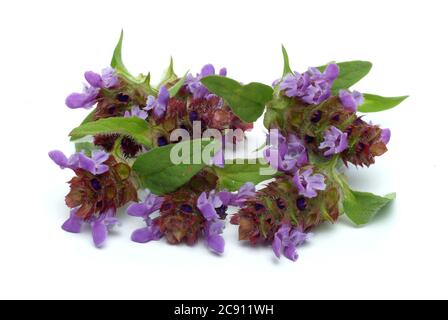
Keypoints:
pixel 108 79
pixel 286 240
pixel 309 183
pixel 285 154
pixel 136 112
pixel 79 160
pixel 194 85
pixel 311 87
pixel 100 225
pixel 158 105
pixel 351 100
pixel 335 140
pixel 144 209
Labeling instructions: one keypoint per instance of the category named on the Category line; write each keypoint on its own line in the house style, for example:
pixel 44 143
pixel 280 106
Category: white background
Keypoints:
pixel 47 45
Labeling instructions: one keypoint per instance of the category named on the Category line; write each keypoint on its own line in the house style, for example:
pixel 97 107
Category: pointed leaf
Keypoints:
pixel 361 207
pixel 158 172
pixel 175 89
pixel 374 103
pixel 247 101
pixel 134 127
pixel 286 67
pixel 89 118
pixel 169 75
pixel 234 175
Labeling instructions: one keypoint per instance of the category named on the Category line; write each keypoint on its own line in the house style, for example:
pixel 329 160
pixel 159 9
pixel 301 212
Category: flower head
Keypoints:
pixel 136 112
pixel 286 240
pixel 308 183
pixel 108 78
pixel 335 140
pixel 160 104
pixel 351 100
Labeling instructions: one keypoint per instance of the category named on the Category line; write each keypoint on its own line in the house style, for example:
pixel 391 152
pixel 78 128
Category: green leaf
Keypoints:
pixel 88 119
pixel 234 175
pixel 169 75
pixel 247 101
pixel 134 127
pixel 286 67
pixel 361 207
pixel 175 89
pixel 350 72
pixel 118 65
pixel 86 147
pixel 160 174
pixel 374 103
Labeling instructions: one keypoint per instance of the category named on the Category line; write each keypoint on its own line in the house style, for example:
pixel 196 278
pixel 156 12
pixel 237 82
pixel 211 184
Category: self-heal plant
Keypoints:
pixel 127 142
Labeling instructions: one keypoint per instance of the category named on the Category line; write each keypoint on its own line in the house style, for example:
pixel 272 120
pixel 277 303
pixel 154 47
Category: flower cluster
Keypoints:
pixel 123 160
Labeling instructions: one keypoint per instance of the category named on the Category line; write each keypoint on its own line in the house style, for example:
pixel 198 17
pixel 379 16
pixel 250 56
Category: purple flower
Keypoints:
pixel 79 160
pixel 208 205
pixel 73 223
pixel 295 85
pixel 213 238
pixel 286 240
pixel 83 100
pixel 149 233
pixel 89 97
pixel 335 140
pixel 143 209
pixel 307 183
pixel 108 78
pixel 238 199
pixel 101 226
pixel 313 86
pixel 160 104
pixel 194 84
pixel 351 101
pixel 136 112
pixel 285 154
pixel 385 135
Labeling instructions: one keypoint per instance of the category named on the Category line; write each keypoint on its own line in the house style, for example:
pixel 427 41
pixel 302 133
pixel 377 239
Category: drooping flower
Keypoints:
pixel 101 226
pixel 213 238
pixel 89 97
pixel 239 198
pixel 108 78
pixel 79 160
pixel 385 135
pixel 194 84
pixel 208 205
pixel 351 100
pixel 149 233
pixel 85 100
pixel 309 183
pixel 160 104
pixel 136 112
pixel 285 154
pixel 286 240
pixel 144 209
pixel 335 140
